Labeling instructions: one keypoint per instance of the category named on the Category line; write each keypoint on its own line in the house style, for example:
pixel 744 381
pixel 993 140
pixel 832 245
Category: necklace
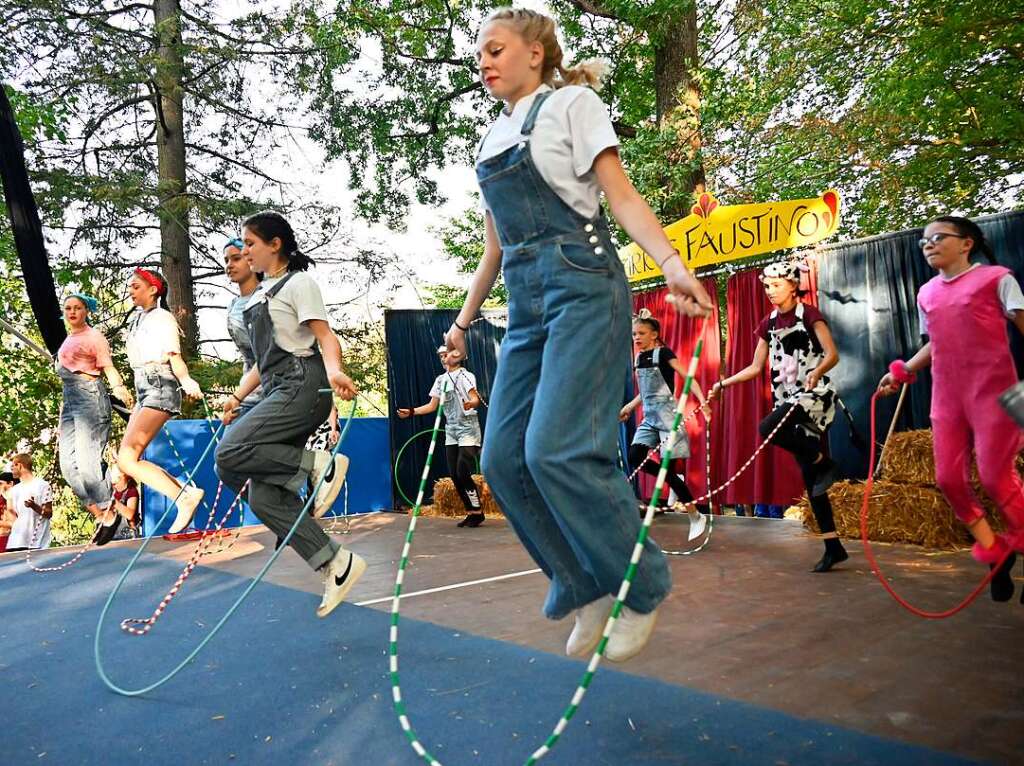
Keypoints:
pixel 278 273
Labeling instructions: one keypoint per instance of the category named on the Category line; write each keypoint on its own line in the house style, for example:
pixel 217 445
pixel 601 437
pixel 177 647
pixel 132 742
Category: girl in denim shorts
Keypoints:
pixel 154 352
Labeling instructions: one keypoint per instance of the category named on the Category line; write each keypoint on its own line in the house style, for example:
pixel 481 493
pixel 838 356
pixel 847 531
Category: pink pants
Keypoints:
pixel 996 441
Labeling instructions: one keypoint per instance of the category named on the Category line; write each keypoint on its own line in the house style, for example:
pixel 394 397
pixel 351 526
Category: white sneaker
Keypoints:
pixel 335 470
pixel 590 621
pixel 343 571
pixel 188 501
pixel 698 523
pixel 630 635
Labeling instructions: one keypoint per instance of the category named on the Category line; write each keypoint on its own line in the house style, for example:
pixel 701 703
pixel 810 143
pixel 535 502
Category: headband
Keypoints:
pixel 91 304
pixel 789 270
pixel 153 279
pixel 236 242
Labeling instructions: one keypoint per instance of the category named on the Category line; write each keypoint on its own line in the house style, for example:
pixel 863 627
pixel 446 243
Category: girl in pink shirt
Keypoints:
pixel 86 371
pixel 963 312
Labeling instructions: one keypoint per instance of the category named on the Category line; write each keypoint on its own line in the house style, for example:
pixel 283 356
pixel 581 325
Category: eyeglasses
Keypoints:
pixel 936 238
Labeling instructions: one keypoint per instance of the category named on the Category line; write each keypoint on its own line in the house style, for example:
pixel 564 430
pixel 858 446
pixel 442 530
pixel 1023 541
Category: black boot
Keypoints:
pixel 834 554
pixel 1001 584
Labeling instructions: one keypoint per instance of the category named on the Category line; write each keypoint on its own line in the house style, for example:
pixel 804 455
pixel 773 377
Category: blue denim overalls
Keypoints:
pixel 84 432
pixel 552 429
pixel 659 408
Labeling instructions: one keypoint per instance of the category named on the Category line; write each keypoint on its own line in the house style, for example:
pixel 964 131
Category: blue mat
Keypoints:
pixel 280 686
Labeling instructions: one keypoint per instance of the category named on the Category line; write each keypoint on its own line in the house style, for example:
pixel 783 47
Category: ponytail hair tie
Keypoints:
pixel 901 373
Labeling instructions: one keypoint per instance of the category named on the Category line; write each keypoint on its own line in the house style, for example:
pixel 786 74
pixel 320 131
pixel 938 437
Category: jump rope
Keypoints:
pixel 132 622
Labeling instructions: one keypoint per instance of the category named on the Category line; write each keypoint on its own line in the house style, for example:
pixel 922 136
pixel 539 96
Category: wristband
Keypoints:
pixel 675 253
pixel 464 329
pixel 901 373
pixel 235 397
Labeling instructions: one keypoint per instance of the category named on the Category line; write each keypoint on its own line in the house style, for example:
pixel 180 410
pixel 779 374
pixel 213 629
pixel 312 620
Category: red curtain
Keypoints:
pixel 680 333
pixel 774 477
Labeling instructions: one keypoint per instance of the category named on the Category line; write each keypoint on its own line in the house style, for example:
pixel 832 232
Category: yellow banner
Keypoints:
pixel 716 234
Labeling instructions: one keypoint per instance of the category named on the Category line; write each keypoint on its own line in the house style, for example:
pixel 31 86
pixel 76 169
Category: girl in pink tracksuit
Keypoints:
pixel 963 311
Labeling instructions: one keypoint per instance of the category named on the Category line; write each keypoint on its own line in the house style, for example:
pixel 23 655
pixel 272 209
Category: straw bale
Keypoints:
pixel 898 513
pixel 908 459
pixel 448 503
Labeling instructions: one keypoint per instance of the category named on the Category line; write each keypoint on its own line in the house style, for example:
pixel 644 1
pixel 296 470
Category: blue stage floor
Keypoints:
pixel 280 686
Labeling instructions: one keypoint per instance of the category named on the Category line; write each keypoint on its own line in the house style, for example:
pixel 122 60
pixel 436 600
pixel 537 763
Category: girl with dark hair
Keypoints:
pixel 963 311
pixel 656 366
pixel 455 388
pixel 87 372
pixel 296 355
pixel 795 342
pixel 542 168
pixel 154 352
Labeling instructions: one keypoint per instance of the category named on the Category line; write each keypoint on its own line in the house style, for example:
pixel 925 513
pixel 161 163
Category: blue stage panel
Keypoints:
pixel 369 475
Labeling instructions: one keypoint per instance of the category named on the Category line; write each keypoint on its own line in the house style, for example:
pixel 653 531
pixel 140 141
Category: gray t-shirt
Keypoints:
pixel 1010 296
pixel 459 383
pixel 572 128
pixel 296 303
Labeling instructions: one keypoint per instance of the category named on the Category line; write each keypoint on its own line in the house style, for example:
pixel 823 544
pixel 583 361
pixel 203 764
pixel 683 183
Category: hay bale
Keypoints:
pixel 448 503
pixel 898 513
pixel 908 458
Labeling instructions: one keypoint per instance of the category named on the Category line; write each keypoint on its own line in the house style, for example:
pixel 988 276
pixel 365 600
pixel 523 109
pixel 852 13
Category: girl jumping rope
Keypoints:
pixel 154 352
pixel 796 343
pixel 86 370
pixel 655 367
pixel 456 386
pixel 550 452
pixel 296 355
pixel 963 311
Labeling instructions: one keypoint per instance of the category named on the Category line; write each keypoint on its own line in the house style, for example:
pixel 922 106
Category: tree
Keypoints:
pixel 165 134
pixel 911 108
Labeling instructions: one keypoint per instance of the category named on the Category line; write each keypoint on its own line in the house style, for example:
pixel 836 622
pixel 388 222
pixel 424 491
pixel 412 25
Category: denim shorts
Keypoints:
pixel 157 389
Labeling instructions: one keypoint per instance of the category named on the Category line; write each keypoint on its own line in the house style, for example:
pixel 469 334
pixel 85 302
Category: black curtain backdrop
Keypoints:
pixel 28 231
pixel 412 338
pixel 868 292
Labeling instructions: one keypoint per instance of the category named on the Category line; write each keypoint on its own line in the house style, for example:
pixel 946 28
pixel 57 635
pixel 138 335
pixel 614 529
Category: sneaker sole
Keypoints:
pixel 182 521
pixel 323 505
pixel 358 568
pixel 612 657
pixel 697 528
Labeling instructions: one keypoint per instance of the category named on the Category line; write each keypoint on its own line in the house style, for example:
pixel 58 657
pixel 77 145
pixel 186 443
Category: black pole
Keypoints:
pixel 28 230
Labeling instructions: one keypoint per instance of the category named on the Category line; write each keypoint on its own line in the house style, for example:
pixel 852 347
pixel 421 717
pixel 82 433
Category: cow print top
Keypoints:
pixel 793 352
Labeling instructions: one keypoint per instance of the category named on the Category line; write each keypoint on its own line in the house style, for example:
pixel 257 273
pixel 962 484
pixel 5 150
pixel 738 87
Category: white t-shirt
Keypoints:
pixel 572 128
pixel 1010 295
pixel 152 337
pixel 30 530
pixel 460 382
pixel 297 302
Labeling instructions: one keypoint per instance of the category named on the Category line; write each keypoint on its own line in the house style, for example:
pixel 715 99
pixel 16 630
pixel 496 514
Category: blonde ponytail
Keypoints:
pixel 535 27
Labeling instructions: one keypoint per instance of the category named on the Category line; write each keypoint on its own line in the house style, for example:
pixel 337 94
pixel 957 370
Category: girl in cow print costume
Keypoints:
pixel 797 344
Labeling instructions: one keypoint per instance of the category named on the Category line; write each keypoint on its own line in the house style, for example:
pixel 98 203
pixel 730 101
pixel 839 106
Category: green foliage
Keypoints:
pixel 462 240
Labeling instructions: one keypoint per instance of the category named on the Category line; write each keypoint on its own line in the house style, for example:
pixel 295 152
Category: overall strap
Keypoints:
pixel 277 288
pixel 656 356
pixel 531 116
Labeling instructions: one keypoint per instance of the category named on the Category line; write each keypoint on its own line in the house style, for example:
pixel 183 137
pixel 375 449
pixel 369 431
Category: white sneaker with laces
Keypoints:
pixel 188 501
pixel 590 621
pixel 335 468
pixel 630 635
pixel 343 571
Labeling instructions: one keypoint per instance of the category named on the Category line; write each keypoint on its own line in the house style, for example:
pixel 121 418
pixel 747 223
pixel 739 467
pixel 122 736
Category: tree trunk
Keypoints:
pixel 171 186
pixel 677 100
